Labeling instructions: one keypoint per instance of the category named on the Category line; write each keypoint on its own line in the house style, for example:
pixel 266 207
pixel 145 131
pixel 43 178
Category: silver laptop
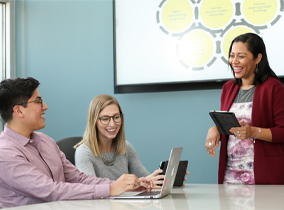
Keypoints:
pixel 168 183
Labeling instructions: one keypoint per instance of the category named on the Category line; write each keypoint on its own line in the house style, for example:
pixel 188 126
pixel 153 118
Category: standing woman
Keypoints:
pixel 255 155
pixel 104 152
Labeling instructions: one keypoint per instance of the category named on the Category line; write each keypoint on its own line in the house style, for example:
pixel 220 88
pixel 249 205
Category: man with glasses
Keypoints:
pixel 33 169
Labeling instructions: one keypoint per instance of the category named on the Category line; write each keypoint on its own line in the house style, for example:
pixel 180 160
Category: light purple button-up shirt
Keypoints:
pixel 35 171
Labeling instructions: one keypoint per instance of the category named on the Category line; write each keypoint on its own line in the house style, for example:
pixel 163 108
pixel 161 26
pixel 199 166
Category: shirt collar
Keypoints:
pixel 20 138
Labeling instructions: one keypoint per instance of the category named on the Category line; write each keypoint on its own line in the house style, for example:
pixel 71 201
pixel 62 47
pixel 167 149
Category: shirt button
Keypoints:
pixel 31 141
pixel 102 197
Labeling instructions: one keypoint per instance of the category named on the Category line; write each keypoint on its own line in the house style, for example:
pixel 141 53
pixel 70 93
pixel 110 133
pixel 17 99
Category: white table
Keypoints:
pixel 192 196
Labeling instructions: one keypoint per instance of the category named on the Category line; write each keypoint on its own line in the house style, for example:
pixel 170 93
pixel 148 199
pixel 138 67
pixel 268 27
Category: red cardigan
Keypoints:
pixel 267 112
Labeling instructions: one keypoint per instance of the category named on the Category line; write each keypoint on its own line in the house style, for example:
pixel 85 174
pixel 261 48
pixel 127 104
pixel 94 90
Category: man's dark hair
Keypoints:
pixel 14 92
pixel 255 45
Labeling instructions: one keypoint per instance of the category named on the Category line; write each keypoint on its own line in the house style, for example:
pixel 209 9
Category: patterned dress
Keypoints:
pixel 240 153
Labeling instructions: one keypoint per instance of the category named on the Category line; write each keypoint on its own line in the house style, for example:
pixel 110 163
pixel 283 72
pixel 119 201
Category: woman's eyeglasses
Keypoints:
pixel 106 119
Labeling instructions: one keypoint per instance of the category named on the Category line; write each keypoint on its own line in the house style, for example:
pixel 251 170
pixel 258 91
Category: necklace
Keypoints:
pixel 248 94
pixel 106 161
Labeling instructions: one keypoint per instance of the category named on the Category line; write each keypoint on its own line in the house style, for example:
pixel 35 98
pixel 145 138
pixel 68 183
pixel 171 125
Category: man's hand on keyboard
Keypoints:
pixel 144 184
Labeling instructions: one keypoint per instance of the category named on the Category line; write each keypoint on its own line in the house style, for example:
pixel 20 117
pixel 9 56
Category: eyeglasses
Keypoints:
pixel 105 119
pixel 39 101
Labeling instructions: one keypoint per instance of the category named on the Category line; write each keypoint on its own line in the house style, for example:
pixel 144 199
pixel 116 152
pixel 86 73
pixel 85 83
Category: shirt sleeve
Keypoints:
pixel 278 114
pixel 24 178
pixel 134 164
pixel 84 160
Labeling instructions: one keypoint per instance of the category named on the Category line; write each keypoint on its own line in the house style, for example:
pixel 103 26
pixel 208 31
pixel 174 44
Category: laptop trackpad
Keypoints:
pixel 129 194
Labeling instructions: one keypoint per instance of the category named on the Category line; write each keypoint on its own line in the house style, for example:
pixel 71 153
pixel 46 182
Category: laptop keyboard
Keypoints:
pixel 149 193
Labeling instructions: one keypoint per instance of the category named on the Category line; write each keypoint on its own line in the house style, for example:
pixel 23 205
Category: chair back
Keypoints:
pixel 66 146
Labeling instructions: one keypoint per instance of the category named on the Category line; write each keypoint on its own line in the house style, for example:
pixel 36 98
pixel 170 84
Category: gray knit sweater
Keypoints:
pixel 128 163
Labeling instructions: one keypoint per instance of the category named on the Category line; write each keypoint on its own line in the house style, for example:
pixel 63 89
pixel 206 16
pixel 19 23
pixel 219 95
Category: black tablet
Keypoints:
pixel 180 172
pixel 224 121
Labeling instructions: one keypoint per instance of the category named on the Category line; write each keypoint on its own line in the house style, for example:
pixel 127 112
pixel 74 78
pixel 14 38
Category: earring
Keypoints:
pixel 256 70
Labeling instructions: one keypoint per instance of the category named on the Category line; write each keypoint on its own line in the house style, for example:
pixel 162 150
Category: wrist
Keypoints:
pixel 110 189
pixel 257 132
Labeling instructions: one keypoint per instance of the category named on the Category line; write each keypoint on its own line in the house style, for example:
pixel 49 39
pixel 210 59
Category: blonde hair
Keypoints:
pixel 90 137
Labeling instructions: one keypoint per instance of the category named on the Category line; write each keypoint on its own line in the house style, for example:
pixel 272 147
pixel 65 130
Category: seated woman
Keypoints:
pixel 104 152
